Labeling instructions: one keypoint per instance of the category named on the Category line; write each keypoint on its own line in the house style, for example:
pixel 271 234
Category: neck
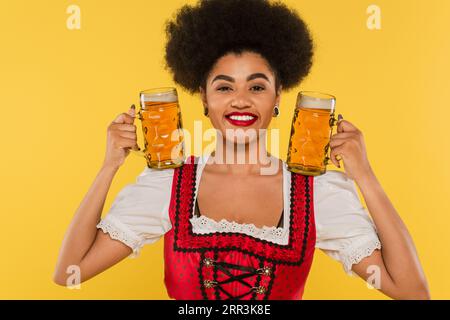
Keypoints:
pixel 250 158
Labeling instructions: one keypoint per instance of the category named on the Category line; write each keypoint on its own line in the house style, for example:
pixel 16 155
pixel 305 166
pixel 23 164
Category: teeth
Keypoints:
pixel 242 118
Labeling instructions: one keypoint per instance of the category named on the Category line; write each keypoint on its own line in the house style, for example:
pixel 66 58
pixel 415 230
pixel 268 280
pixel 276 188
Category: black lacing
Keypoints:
pixel 225 268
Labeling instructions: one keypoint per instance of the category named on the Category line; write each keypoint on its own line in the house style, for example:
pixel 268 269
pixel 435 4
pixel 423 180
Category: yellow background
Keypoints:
pixel 61 88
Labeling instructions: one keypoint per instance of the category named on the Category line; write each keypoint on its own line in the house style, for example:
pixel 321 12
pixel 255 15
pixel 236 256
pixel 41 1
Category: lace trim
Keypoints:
pixel 204 225
pixel 354 255
pixel 116 233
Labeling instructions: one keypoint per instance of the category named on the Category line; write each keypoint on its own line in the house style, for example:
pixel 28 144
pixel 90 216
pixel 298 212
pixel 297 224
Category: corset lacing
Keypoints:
pixel 250 271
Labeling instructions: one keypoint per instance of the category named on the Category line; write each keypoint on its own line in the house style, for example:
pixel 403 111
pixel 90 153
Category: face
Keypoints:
pixel 240 94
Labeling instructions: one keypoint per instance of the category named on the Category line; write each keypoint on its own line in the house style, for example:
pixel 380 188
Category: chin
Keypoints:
pixel 240 135
pixel 241 140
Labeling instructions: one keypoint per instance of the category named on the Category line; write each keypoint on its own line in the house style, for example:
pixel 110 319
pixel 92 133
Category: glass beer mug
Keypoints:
pixel 160 116
pixel 312 127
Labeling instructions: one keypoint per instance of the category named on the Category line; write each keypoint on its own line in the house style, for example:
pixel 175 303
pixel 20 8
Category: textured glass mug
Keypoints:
pixel 311 131
pixel 162 128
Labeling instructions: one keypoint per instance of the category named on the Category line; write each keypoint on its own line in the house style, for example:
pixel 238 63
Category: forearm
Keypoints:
pixel 82 230
pixel 398 250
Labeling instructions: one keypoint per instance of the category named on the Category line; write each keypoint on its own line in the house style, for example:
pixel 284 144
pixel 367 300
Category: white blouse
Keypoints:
pixel 139 215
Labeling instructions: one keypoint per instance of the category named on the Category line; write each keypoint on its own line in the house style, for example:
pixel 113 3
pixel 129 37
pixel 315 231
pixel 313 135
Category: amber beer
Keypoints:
pixel 160 116
pixel 312 127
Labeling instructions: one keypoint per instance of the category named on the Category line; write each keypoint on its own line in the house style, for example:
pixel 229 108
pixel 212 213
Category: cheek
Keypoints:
pixel 215 112
pixel 216 107
pixel 267 113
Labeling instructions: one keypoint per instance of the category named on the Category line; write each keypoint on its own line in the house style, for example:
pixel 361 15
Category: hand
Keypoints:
pixel 121 137
pixel 348 144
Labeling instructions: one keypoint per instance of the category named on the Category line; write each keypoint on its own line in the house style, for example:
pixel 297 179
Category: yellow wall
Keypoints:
pixel 60 89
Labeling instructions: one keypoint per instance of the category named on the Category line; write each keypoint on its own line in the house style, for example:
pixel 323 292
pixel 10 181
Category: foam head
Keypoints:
pixel 316 100
pixel 159 95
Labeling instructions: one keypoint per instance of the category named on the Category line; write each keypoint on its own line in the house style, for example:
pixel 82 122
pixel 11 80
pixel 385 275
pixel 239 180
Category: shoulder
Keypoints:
pixel 139 213
pixel 331 177
pixel 335 183
pixel 151 174
pixel 344 228
pixel 155 179
pixel 337 204
pixel 150 192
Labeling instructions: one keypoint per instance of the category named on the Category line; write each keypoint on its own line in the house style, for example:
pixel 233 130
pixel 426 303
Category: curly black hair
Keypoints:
pixel 198 36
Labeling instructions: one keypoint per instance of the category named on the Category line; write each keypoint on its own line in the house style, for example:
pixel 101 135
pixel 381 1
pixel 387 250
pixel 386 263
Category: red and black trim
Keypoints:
pixel 235 265
pixel 291 254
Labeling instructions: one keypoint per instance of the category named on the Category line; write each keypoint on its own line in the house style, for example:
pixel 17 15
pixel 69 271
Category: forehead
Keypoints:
pixel 240 66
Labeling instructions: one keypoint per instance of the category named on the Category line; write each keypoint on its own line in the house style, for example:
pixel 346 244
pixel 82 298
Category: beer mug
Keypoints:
pixel 311 131
pixel 160 116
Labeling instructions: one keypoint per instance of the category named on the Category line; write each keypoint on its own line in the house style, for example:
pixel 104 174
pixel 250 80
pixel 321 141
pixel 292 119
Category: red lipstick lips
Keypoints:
pixel 241 119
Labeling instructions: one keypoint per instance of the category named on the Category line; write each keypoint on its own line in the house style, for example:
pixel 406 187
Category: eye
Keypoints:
pixel 220 89
pixel 260 88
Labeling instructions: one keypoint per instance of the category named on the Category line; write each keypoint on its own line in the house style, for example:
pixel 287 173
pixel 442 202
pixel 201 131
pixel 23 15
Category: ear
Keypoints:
pixel 279 95
pixel 203 95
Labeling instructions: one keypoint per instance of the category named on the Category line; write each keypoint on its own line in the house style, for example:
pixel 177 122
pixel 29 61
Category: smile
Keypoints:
pixel 241 119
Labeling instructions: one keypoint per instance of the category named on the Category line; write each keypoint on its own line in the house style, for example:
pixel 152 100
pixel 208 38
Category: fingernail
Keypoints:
pixel 340 117
pixel 133 106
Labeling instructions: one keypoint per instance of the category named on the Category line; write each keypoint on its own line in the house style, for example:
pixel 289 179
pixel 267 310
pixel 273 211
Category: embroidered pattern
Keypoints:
pixel 205 225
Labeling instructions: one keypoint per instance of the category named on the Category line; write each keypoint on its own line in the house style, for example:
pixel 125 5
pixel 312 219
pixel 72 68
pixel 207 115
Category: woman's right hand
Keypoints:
pixel 121 137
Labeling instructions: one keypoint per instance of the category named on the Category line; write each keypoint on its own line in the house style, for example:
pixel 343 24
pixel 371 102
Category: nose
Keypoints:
pixel 240 101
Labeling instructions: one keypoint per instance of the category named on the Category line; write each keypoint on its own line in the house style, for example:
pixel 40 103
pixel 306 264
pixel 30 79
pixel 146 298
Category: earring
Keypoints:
pixel 205 111
pixel 276 111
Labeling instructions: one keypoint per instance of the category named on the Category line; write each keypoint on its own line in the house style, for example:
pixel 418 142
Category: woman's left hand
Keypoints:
pixel 348 144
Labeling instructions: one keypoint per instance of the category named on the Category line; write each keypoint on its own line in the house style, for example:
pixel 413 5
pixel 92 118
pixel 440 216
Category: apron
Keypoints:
pixel 233 266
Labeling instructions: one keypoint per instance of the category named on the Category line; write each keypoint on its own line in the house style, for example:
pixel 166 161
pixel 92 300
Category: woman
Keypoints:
pixel 231 232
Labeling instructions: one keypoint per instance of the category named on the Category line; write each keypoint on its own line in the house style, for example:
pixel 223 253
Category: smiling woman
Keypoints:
pixel 231 231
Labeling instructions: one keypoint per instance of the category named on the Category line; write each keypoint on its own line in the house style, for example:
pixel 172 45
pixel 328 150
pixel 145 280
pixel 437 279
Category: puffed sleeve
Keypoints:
pixel 139 214
pixel 344 229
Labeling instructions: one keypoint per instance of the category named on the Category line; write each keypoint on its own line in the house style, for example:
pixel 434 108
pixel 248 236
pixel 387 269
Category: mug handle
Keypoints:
pixel 333 122
pixel 139 152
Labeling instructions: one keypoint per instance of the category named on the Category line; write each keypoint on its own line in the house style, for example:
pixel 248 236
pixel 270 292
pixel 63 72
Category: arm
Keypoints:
pixel 401 274
pixel 85 246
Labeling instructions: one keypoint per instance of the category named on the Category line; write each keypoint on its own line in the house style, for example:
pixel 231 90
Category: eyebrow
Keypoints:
pixel 249 78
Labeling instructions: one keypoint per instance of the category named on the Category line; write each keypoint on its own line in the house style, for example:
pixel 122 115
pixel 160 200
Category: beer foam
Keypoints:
pixel 169 96
pixel 316 102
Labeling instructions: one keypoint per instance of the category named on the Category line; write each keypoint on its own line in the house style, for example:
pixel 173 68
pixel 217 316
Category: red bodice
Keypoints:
pixel 235 265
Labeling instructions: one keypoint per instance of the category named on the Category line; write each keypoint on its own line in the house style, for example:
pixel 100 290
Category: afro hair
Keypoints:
pixel 198 36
